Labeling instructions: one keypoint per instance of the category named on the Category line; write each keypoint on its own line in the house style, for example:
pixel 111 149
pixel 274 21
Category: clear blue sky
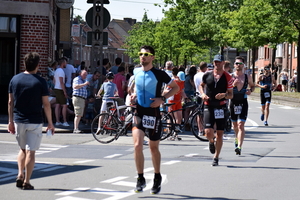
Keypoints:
pixel 120 9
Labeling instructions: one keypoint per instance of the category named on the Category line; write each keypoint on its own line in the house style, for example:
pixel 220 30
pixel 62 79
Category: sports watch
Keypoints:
pixel 163 98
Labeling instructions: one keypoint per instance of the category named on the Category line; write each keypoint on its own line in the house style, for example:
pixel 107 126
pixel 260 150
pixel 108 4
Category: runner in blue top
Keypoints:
pixel 148 83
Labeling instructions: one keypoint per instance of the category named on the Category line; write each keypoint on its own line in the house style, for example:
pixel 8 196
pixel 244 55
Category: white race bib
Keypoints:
pixel 219 113
pixel 267 94
pixel 149 121
pixel 237 109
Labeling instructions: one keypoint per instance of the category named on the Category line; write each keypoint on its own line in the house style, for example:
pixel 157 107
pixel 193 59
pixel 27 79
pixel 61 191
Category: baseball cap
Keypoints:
pixel 181 75
pixel 219 58
pixel 210 66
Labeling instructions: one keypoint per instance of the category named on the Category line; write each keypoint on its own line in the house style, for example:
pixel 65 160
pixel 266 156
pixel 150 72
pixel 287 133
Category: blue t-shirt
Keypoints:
pixel 109 89
pixel 27 90
pixel 149 84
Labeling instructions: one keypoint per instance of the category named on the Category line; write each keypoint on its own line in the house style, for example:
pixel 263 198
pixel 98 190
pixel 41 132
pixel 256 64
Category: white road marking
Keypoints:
pixel 148 169
pixel 254 124
pixel 112 156
pixel 114 179
pixel 171 162
pixel 73 198
pixel 52 168
pixel 191 155
pixel 83 161
pixel 125 183
pixel 72 191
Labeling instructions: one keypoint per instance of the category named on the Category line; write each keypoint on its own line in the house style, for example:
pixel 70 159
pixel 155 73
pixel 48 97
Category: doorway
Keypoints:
pixel 7 69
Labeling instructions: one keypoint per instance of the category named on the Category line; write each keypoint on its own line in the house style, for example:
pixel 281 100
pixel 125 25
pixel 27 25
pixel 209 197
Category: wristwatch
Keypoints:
pixel 163 98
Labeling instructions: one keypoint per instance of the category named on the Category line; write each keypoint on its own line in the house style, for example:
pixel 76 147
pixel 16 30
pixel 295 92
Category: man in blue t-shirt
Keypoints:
pixel 28 93
pixel 148 85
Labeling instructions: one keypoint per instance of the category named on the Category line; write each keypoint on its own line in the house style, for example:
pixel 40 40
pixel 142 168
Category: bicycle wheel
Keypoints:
pixel 167 126
pixel 107 131
pixel 195 129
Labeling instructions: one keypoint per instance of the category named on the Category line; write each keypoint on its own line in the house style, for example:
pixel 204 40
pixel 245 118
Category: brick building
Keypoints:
pixel 25 26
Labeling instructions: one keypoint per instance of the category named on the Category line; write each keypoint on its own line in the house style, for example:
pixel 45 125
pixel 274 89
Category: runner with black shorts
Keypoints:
pixel 216 88
pixel 266 82
pixel 148 85
pixel 239 102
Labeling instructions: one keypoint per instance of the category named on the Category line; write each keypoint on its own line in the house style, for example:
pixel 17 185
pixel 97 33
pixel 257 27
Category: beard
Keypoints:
pixel 145 63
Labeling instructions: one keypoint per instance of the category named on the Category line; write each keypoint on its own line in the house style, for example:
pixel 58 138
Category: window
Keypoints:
pixel 279 50
pixel 8 24
pixel 295 53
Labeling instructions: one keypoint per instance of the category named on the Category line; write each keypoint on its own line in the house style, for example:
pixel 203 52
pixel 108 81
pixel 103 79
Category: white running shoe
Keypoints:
pixel 65 124
pixel 58 124
pixel 76 131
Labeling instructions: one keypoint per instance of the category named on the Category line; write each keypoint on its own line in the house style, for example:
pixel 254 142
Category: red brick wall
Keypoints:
pixel 35 38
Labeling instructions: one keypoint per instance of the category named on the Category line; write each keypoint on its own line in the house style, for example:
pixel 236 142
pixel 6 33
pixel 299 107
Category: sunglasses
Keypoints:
pixel 238 63
pixel 145 54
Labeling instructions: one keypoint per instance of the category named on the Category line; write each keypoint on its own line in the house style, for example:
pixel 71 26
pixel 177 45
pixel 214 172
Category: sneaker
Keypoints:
pixel 98 131
pixel 76 131
pixel 215 162
pixel 212 147
pixel 236 142
pixel 266 123
pixel 238 151
pixel 156 186
pixel 262 117
pixel 201 133
pixel 58 124
pixel 65 124
pixel 140 185
pixel 145 142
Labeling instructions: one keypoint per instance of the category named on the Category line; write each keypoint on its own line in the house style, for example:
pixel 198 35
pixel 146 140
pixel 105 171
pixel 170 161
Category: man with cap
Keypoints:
pixel 216 88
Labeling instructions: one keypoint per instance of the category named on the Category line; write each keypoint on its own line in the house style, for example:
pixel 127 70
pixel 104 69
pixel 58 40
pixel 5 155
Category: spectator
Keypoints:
pixel 79 96
pixel 169 67
pixel 70 73
pixel 120 81
pixel 114 69
pixel 60 93
pixel 28 93
pixel 90 110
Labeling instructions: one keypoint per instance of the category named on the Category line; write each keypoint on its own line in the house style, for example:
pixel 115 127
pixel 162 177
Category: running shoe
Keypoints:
pixel 266 123
pixel 238 151
pixel 156 186
pixel 58 124
pixel 215 162
pixel 201 133
pixel 65 124
pixel 212 147
pixel 262 117
pixel 235 142
pixel 76 131
pixel 140 185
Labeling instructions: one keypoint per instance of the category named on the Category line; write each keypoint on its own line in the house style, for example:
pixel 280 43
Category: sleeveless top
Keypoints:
pixel 240 95
pixel 267 80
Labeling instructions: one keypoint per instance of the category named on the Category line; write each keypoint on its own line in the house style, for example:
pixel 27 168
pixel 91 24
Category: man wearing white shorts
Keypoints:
pixel 28 93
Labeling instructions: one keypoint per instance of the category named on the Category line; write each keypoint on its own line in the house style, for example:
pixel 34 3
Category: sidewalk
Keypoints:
pixel 287 101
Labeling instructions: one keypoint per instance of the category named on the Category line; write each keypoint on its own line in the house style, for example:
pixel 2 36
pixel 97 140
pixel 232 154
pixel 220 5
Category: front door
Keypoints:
pixel 7 69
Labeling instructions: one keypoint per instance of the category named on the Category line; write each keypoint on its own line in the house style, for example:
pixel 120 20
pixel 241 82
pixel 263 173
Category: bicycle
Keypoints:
pixel 197 114
pixel 109 126
pixel 114 123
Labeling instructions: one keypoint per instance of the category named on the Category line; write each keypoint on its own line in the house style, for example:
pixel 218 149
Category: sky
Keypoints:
pixel 120 9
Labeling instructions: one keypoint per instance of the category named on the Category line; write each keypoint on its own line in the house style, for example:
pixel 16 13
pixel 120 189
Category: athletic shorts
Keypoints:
pixel 29 136
pixel 141 116
pixel 284 82
pixel 239 111
pixel 60 97
pixel 209 117
pixel 78 104
pixel 176 106
pixel 265 97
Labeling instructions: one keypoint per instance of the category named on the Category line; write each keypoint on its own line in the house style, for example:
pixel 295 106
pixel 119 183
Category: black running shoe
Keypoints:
pixel 215 162
pixel 212 147
pixel 156 186
pixel 266 123
pixel 140 185
pixel 238 151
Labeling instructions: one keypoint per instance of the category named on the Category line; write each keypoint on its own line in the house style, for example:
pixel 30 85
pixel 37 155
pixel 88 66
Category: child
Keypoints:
pixel 90 109
pixel 110 90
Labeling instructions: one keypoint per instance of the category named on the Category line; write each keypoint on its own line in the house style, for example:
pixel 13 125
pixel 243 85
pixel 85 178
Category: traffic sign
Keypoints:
pixel 89 17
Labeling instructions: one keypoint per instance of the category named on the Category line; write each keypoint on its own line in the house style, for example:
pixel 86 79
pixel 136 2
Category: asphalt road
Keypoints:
pixel 76 167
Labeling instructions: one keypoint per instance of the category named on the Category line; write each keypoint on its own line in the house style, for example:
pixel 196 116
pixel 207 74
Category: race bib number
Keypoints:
pixel 237 109
pixel 267 94
pixel 219 113
pixel 149 121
